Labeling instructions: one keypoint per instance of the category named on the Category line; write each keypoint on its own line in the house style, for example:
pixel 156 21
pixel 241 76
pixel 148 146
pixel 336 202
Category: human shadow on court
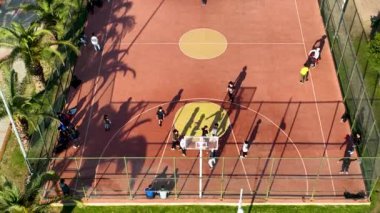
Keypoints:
pixel 93 172
pixel 239 80
pixel 197 126
pixel 174 102
pixel 252 136
pixel 217 117
pixel 190 121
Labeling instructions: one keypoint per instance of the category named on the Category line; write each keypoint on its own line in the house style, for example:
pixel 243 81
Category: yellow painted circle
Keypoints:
pixel 203 43
pixel 192 117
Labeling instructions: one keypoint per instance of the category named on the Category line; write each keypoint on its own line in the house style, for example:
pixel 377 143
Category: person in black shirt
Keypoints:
pixel 64 187
pixel 175 139
pixel 231 91
pixel 205 131
pixel 160 115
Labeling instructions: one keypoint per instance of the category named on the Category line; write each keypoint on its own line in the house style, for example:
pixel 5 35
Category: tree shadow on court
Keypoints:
pixel 174 102
pixel 143 28
pixel 106 79
pixel 92 172
pixel 112 20
pixel 122 23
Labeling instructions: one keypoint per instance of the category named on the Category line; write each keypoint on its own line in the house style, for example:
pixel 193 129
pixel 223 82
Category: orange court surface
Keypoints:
pixel 172 53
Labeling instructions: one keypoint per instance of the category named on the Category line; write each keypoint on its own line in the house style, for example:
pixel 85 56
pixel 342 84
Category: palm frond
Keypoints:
pixel 37 181
pixel 12 84
pixel 17 29
pixel 29 7
pixel 41 32
pixel 10 59
pixel 48 52
pixel 67 44
pixel 2 44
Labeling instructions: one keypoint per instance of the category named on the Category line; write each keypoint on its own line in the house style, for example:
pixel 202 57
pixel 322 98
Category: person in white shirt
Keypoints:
pixel 214 130
pixel 163 192
pixel 182 145
pixel 245 149
pixel 212 159
pixel 316 52
pixel 95 42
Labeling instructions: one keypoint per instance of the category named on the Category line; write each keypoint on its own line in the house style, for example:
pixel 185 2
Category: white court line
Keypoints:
pixel 216 100
pixel 315 98
pixel 167 139
pixel 241 160
pixel 163 152
pixel 93 96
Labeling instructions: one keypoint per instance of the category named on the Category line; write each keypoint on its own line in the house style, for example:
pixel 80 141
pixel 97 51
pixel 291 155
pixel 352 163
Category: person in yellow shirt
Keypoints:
pixel 304 73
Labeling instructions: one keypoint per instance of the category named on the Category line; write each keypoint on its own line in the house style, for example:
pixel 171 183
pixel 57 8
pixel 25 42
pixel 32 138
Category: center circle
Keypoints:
pixel 203 43
pixel 192 117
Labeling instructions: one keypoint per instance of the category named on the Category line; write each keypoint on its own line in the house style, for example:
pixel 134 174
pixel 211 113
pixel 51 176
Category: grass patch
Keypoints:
pixel 224 209
pixel 13 165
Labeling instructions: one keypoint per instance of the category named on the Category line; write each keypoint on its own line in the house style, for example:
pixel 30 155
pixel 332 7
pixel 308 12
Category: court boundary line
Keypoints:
pixel 241 160
pixel 94 91
pixel 315 98
pixel 210 99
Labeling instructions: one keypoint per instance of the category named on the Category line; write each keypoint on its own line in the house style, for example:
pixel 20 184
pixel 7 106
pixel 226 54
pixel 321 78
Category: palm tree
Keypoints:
pixel 12 199
pixel 25 110
pixel 33 46
pixel 51 14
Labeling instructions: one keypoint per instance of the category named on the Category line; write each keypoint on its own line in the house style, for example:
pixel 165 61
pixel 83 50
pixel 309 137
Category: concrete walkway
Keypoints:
pixel 6 17
pixel 366 9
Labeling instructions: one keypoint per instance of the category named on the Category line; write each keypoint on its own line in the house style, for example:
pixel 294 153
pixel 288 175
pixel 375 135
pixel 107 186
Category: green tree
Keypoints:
pixel 51 14
pixel 33 46
pixel 374 49
pixel 12 199
pixel 25 110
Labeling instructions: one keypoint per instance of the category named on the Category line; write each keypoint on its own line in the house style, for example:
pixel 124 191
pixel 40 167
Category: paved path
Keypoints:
pixel 366 9
pixel 5 18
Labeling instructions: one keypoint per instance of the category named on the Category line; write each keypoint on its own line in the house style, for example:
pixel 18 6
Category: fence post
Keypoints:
pixel 222 180
pixel 128 180
pixel 78 172
pixel 175 178
pixel 270 177
pixel 373 188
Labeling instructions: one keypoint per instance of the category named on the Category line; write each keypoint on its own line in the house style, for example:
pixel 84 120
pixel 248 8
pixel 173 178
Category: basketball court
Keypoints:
pixel 180 55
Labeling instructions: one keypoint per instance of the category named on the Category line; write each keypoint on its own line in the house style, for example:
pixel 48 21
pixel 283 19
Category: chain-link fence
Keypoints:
pixel 54 97
pixel 261 178
pixel 358 78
